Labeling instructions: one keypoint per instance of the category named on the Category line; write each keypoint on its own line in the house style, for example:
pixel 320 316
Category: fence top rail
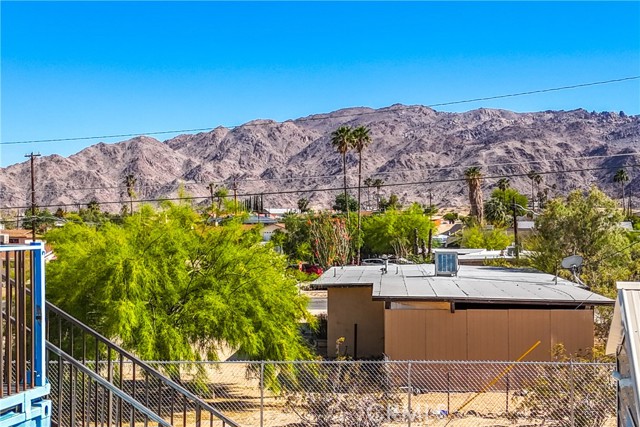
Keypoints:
pixel 106 384
pixel 379 362
pixel 18 248
pixel 143 364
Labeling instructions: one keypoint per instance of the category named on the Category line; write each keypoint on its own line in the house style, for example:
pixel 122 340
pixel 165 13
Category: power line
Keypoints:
pixel 325 116
pixel 328 189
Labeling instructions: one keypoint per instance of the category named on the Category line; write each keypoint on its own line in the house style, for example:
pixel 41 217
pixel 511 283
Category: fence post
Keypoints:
pixel 507 398
pixel 409 387
pixel 448 392
pixel 572 394
pixel 262 394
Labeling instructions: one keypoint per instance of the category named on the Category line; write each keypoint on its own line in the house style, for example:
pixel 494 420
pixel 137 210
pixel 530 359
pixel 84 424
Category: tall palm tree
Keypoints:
pixel 368 183
pixel 378 183
pixel 621 177
pixel 503 184
pixel 536 179
pixel 341 139
pixel 473 176
pixel 130 183
pixel 360 139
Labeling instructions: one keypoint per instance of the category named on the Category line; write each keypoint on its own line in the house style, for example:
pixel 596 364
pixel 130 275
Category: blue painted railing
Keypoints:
pixel 23 396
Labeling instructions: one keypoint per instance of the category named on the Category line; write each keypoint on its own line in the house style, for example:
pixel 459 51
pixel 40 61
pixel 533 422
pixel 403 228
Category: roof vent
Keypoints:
pixel 446 263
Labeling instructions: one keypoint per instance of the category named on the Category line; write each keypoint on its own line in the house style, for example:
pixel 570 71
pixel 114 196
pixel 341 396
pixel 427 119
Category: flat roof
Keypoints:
pixel 473 284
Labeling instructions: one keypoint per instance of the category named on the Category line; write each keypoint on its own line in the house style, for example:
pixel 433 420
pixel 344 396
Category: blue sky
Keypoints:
pixel 74 69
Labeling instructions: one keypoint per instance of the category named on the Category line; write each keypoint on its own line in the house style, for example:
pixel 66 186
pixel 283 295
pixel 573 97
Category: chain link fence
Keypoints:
pixel 396 393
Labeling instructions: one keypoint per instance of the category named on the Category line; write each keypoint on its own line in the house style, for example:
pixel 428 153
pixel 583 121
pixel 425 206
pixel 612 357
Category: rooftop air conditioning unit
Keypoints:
pixel 446 263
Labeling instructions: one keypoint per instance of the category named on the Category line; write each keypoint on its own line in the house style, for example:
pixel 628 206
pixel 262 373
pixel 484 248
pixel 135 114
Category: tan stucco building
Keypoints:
pixel 479 313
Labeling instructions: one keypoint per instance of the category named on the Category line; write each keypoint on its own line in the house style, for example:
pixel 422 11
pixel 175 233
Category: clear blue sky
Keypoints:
pixel 72 69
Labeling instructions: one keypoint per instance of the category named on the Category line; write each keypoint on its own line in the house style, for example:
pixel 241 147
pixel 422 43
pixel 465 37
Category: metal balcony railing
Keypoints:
pixel 143 384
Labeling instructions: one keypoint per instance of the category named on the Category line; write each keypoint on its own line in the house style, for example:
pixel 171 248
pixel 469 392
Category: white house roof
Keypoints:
pixel 473 284
pixel 626 325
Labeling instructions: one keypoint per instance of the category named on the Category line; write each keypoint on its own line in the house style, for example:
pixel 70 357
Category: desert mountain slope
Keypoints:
pixel 294 158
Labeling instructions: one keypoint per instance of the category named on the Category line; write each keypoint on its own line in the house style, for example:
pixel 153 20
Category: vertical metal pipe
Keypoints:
pixel 9 343
pixel 448 392
pixel 262 394
pixel 173 399
pixel 571 394
pixel 73 379
pixel 121 373
pixel 22 321
pixel 109 392
pixel 33 340
pixel 184 411
pixel 507 396
pixel 2 325
pixel 409 386
pixel 198 415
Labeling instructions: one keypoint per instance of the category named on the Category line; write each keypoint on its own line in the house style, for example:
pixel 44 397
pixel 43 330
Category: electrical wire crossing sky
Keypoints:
pixel 76 73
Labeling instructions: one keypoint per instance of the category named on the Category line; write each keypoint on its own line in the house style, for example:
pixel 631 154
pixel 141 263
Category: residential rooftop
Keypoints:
pixel 472 284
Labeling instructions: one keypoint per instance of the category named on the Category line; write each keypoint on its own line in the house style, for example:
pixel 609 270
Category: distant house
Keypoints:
pixel 17 236
pixel 478 313
pixel 624 342
pixel 279 212
pixel 267 229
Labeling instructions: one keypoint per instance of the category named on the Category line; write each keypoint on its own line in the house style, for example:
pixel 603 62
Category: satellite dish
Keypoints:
pixel 572 262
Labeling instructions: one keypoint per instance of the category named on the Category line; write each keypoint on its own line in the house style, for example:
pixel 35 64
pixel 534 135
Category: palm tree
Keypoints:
pixel 341 139
pixel 360 139
pixel 221 194
pixel 535 179
pixel 378 183
pixel 130 182
pixel 503 184
pixel 368 183
pixel 621 177
pixel 473 176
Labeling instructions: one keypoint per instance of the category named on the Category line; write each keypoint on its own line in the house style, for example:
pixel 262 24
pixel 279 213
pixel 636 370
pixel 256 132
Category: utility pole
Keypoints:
pixel 32 156
pixel 210 187
pixel 235 196
pixel 430 196
pixel 515 229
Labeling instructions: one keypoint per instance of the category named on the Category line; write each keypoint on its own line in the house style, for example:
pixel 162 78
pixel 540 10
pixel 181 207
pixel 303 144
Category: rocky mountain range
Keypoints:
pixel 418 152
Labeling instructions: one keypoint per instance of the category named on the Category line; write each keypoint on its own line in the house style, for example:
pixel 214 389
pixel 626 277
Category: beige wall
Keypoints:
pixel 484 334
pixel 350 306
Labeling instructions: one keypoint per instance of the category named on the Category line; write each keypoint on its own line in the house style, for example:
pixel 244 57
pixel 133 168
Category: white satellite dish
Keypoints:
pixel 572 262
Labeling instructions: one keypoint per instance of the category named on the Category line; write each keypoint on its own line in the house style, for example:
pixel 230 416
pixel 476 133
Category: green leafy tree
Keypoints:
pixel 168 287
pixel 395 231
pixel 585 225
pixel 297 244
pixel 342 140
pixel 473 176
pixel 478 237
pixel 393 203
pixel 498 210
pixel 340 205
pixel 330 240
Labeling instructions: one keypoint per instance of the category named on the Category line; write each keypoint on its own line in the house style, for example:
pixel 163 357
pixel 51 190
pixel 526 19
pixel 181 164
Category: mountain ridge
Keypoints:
pixel 409 144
